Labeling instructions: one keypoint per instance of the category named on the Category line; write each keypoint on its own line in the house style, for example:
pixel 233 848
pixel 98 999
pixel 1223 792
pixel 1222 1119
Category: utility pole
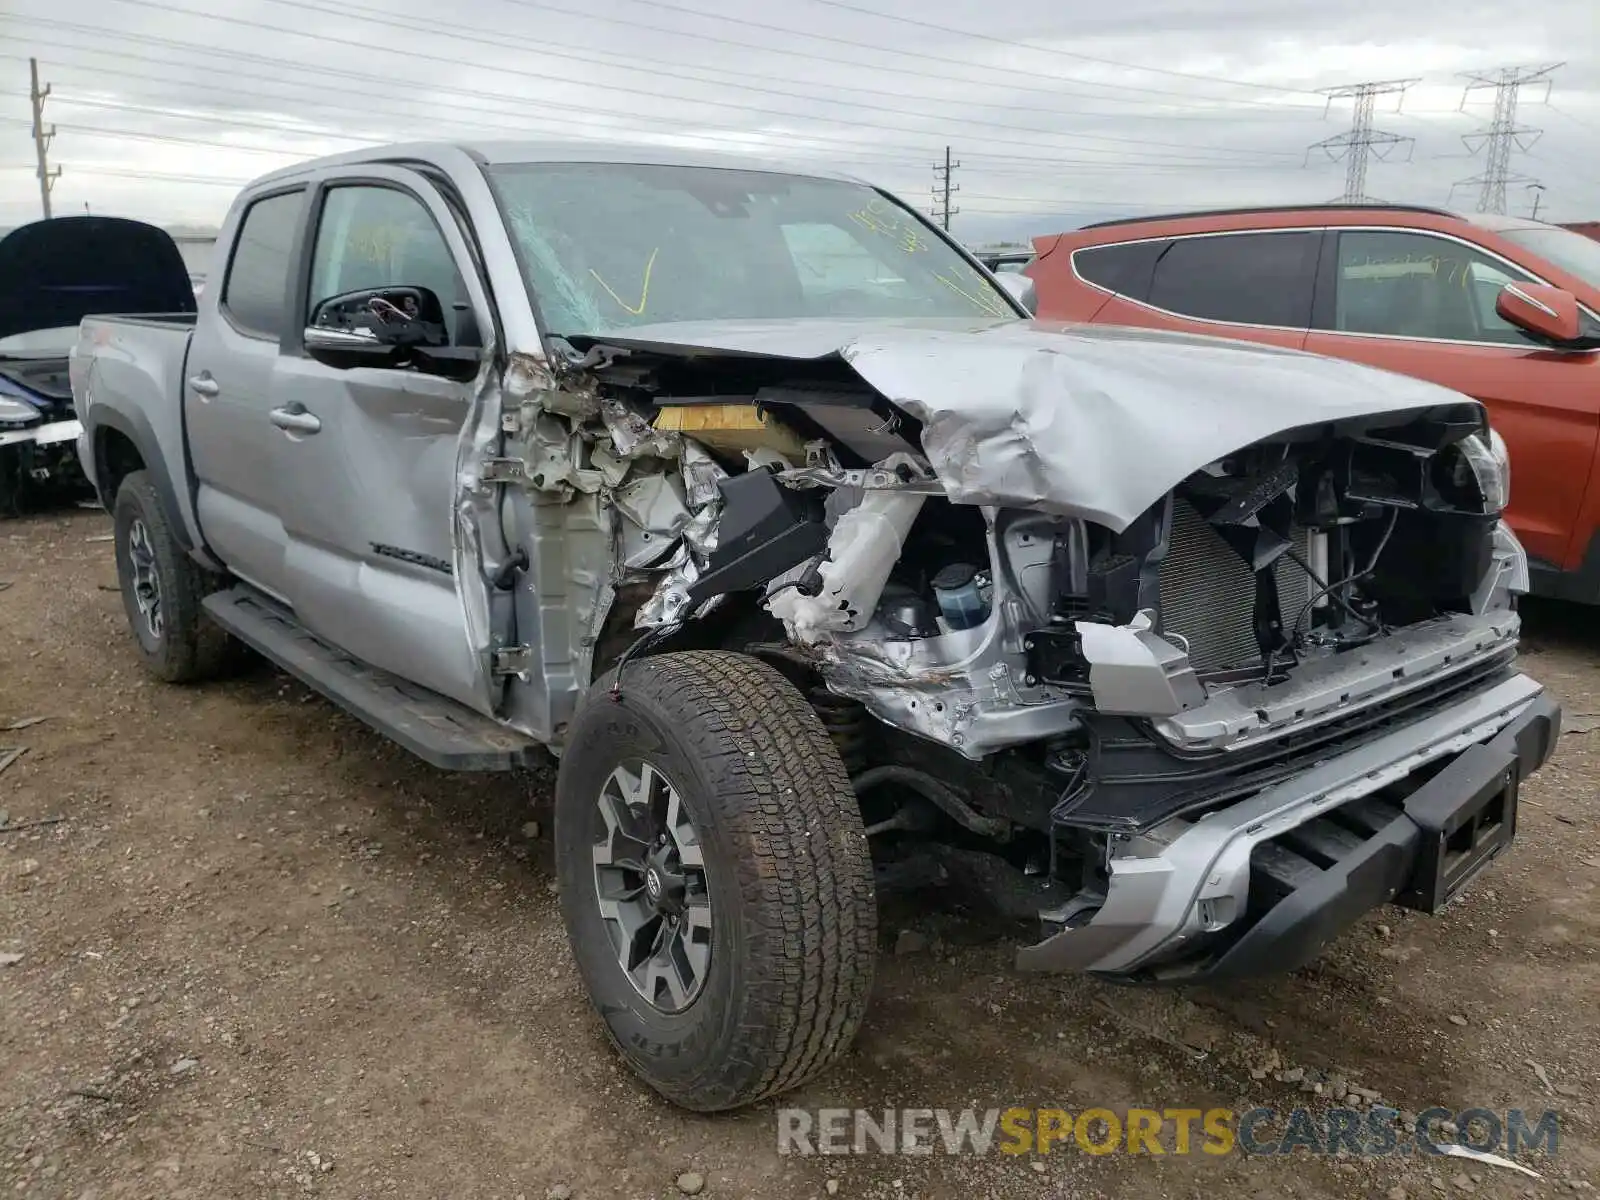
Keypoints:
pixel 942 212
pixel 1503 132
pixel 42 137
pixel 1362 140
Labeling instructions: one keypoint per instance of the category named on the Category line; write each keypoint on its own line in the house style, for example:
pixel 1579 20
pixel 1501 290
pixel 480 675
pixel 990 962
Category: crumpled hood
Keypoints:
pixel 1089 421
pixel 54 273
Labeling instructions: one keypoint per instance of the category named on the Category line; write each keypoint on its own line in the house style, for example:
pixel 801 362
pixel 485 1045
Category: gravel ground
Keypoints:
pixel 262 953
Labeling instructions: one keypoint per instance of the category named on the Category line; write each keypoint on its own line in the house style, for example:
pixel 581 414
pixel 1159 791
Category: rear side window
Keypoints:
pixel 1126 270
pixel 1247 278
pixel 255 293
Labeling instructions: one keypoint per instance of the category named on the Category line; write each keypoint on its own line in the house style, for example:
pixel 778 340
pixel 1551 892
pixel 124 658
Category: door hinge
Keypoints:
pixel 514 660
pixel 504 470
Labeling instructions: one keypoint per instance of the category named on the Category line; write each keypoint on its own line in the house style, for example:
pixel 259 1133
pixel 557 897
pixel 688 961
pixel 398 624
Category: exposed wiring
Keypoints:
pixel 1357 577
pixel 1335 590
pixel 650 638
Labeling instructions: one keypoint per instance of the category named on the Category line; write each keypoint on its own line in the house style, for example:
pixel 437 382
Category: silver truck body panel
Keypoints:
pixel 132 368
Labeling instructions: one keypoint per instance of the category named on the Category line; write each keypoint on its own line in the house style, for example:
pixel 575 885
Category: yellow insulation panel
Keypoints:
pixel 731 428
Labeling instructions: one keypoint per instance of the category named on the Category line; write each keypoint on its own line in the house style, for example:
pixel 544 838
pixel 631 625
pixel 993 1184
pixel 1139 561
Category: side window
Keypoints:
pixel 1246 278
pixel 1417 285
pixel 254 293
pixel 1126 270
pixel 372 237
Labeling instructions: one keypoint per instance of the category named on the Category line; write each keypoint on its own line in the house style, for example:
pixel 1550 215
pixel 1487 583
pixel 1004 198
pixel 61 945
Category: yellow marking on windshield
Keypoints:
pixel 992 307
pixel 644 288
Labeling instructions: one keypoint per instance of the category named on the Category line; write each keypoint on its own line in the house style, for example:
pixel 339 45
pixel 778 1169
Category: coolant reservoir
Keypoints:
pixel 959 591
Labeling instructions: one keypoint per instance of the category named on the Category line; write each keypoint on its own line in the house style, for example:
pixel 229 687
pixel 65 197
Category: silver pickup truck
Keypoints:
pixel 823 568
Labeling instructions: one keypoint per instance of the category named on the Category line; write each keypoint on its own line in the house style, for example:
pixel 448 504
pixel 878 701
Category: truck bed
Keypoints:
pixel 128 377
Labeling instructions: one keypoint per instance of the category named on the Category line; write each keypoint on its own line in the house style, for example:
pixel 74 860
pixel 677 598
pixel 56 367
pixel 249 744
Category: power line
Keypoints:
pixel 433 103
pixel 630 63
pixel 42 137
pixel 1105 62
pixel 1362 140
pixel 790 32
pixel 388 21
pixel 1503 133
pixel 942 189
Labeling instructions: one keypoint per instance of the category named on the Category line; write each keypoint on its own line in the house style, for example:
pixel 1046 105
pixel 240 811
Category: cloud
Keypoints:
pixel 162 112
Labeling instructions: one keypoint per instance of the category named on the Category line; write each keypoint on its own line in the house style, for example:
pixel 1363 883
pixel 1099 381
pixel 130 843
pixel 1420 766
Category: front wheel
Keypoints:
pixel 715 879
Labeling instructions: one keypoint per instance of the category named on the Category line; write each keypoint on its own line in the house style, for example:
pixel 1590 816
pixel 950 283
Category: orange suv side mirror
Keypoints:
pixel 1548 313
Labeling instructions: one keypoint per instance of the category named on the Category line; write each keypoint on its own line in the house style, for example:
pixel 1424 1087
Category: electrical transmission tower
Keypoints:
pixel 1362 141
pixel 42 137
pixel 1503 132
pixel 942 190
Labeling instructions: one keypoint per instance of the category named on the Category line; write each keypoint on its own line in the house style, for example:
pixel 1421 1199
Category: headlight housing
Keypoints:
pixel 15 414
pixel 1502 458
pixel 1474 474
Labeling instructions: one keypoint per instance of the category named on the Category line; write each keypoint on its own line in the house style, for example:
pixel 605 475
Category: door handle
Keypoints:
pixel 295 419
pixel 204 385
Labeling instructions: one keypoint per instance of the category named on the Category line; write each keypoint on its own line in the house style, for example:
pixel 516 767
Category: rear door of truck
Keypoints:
pixel 228 392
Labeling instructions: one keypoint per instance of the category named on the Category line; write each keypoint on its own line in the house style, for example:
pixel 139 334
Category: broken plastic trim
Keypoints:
pixel 1134 672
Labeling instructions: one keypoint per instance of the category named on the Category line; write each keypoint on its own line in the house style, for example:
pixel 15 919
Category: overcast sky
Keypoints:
pixel 1059 113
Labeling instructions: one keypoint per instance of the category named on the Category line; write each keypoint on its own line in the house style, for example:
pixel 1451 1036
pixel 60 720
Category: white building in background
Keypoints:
pixel 197 244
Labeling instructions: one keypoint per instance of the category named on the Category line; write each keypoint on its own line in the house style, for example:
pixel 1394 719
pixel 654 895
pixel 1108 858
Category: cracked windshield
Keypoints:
pixel 607 247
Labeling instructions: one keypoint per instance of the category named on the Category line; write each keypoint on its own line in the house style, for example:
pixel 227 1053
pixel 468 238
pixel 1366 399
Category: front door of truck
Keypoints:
pixel 367 456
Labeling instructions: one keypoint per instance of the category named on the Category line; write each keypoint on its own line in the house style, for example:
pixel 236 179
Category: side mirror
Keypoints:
pixel 1021 289
pixel 387 327
pixel 1547 313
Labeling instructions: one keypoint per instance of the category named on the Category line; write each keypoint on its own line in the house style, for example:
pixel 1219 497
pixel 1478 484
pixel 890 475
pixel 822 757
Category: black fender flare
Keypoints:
pixel 135 426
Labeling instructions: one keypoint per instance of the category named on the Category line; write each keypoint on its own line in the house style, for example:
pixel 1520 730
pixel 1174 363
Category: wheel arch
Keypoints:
pixel 123 441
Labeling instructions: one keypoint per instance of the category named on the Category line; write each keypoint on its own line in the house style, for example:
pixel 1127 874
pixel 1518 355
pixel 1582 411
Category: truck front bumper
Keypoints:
pixel 49 434
pixel 1262 885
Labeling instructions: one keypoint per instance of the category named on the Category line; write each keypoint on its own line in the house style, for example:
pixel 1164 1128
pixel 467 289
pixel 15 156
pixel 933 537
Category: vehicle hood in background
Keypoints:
pixel 54 273
pixel 1088 421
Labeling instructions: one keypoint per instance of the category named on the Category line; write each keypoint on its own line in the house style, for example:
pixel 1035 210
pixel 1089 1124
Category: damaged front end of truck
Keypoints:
pixel 1192 652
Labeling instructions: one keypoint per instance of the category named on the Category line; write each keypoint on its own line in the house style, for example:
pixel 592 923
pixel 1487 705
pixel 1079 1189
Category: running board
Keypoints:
pixel 435 728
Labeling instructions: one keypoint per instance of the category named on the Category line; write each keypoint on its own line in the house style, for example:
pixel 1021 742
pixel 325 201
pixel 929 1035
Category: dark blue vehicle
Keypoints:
pixel 52 274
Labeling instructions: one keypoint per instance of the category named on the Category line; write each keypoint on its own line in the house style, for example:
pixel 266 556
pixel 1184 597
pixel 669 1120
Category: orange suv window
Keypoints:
pixel 1242 278
pixel 1398 284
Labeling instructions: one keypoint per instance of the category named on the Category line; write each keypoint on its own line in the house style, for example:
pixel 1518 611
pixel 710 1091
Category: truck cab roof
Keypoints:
pixel 449 156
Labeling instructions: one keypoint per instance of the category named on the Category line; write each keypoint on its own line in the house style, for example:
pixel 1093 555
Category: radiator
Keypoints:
pixel 1208 593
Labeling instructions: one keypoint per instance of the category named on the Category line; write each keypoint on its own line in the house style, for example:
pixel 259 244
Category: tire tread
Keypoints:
pixel 805 877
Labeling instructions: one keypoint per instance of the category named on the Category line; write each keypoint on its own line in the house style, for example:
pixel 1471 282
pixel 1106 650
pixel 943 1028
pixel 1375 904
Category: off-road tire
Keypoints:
pixel 190 648
pixel 794 915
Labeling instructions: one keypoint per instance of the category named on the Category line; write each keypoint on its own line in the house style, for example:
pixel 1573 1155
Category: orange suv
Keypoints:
pixel 1504 309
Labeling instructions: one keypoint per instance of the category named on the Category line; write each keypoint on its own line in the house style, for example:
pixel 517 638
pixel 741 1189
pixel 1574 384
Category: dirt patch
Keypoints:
pixel 264 953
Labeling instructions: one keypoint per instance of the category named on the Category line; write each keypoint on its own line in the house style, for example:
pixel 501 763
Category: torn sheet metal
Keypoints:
pixel 633 436
pixel 1089 421
pixel 654 517
pixel 701 474
pixel 967 688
